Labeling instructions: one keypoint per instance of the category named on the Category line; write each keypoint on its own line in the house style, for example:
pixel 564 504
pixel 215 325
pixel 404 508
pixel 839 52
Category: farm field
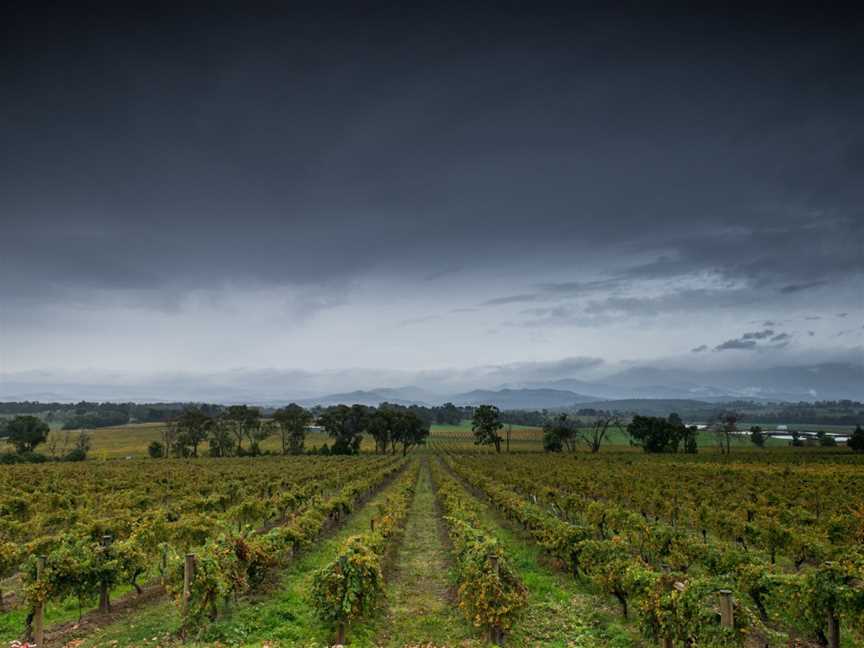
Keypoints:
pixel 525 438
pixel 132 440
pixel 446 546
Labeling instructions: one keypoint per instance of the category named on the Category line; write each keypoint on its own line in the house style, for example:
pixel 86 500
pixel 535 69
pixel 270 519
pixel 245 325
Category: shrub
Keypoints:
pixel 77 454
pixel 156 450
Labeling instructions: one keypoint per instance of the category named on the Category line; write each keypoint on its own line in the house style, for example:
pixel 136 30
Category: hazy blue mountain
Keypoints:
pixel 826 381
pixel 521 398
pixel 790 383
pixel 359 397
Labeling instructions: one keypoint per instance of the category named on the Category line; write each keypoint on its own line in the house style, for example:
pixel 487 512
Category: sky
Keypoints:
pixel 378 193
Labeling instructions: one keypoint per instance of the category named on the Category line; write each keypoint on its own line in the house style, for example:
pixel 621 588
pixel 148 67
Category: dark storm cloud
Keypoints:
pixel 699 349
pixel 512 299
pixel 793 288
pixel 758 335
pixel 556 291
pixel 736 345
pixel 596 312
pixel 750 341
pixel 307 147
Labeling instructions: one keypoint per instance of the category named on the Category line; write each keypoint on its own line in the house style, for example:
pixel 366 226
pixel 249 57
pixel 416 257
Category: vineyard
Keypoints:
pixel 446 545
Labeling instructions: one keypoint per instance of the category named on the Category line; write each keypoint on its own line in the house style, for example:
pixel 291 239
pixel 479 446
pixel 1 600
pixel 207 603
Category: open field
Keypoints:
pixel 132 440
pixel 530 439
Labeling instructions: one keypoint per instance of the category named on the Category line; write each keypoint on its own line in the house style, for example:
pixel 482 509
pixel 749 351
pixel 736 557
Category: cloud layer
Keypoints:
pixel 420 190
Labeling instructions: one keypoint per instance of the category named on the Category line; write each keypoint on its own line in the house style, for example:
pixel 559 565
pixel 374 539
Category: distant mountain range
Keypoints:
pixel 773 384
pixel 502 398
pixel 826 381
pixel 794 383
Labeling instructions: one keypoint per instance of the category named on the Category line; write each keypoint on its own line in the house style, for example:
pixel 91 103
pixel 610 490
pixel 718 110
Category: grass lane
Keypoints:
pixel 420 610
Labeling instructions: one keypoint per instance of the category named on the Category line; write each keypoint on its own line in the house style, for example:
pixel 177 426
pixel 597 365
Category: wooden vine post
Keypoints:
pixel 372 525
pixel 39 612
pixel 496 634
pixel 833 630
pixel 727 615
pixel 340 627
pixel 104 598
pixel 164 566
pixel 188 575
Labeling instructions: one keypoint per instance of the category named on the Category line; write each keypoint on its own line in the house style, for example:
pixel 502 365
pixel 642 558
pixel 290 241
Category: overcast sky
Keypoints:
pixel 428 190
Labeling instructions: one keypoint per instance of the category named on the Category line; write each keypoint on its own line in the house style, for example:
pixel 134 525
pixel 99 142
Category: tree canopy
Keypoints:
pixel 658 434
pixel 26 433
pixel 292 421
pixel 486 425
pixel 856 440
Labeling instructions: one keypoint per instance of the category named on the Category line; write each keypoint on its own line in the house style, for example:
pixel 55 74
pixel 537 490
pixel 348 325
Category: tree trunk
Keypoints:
pixel 104 602
pixel 623 602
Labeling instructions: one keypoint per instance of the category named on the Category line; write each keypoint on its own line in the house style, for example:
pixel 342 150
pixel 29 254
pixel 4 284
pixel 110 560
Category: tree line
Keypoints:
pixel 239 430
pixel 26 433
pixel 91 414
pixel 654 434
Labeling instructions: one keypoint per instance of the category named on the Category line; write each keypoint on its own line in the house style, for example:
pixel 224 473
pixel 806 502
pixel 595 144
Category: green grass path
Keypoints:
pixel 561 611
pixel 282 617
pixel 419 609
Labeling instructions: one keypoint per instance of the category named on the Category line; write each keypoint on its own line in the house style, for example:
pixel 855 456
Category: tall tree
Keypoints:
pixel 690 436
pixel 380 425
pixel 724 429
pixel 292 421
pixel 448 414
pixel 221 439
pixel 560 432
pixel 241 420
pixel 409 429
pixel 486 425
pixel 260 432
pixel 193 426
pixel 26 433
pixel 756 436
pixel 856 439
pixel 656 434
pixel 169 437
pixel 345 425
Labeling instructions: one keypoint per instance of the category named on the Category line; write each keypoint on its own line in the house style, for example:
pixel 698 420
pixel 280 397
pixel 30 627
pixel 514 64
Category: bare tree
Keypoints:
pixel 595 435
pixel 724 428
pixel 169 437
